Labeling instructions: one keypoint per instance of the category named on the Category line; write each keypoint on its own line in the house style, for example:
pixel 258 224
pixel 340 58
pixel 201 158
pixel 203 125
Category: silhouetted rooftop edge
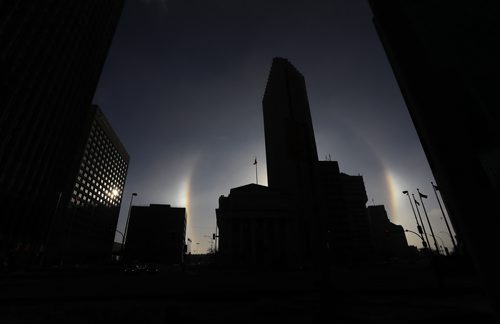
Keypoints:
pixel 285 65
pixel 251 187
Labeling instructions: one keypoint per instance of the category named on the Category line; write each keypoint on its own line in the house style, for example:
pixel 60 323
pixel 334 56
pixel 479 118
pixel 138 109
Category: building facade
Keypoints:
pixel 258 227
pixel 83 231
pixel 444 55
pixel 343 204
pixel 156 234
pixel 51 57
pixel 102 165
pixel 389 240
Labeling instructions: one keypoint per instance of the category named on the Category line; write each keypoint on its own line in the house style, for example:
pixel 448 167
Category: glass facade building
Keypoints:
pixel 102 169
pixel 83 232
pixel 51 58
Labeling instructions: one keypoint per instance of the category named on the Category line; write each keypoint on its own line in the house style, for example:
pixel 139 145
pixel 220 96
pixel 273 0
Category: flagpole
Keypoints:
pixel 256 173
pixel 419 228
pixel 432 232
pixel 421 221
pixel 444 216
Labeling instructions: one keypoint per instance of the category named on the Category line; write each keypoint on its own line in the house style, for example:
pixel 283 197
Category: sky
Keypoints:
pixel 183 84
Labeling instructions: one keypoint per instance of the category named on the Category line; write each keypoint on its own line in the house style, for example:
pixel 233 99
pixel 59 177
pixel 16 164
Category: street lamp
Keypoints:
pixel 423 241
pixel 419 228
pixel 421 221
pixel 421 195
pixel 126 223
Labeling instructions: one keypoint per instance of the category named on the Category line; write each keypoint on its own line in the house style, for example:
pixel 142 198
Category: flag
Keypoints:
pixel 405 192
pixel 422 195
pixel 255 162
pixel 416 202
pixel 435 187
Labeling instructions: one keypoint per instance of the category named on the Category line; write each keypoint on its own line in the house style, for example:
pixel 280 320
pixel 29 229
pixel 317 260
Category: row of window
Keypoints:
pixel 102 173
pixel 97 138
pixel 105 182
pixel 82 201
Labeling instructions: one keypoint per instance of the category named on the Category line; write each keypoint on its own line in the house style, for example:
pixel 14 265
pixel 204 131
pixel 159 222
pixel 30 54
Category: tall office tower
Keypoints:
pixel 444 55
pixel 87 225
pixel 51 57
pixel 290 144
pixel 308 203
pixel 291 150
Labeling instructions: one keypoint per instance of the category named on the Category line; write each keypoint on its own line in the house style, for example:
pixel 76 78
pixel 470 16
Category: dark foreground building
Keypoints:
pixel 388 239
pixel 51 57
pixel 343 203
pixel 257 228
pixel 310 210
pixel 84 231
pixel 445 57
pixel 156 234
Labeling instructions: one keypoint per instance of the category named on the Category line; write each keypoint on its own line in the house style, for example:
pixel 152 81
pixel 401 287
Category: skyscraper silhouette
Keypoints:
pixel 51 57
pixel 291 150
pixel 307 205
pixel 290 145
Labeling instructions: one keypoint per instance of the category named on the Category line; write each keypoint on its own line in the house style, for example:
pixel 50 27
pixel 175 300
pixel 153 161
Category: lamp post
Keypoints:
pixel 126 223
pixel 424 244
pixel 427 217
pixel 444 216
pixel 421 221
pixel 443 246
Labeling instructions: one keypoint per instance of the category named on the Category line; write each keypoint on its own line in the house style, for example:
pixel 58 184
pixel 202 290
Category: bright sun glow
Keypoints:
pixel 183 195
pixel 393 189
